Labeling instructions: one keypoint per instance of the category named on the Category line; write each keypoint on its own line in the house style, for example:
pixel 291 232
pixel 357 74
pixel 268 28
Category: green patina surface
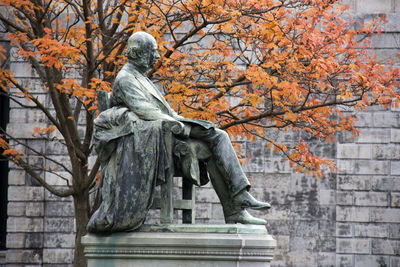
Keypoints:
pixel 206 228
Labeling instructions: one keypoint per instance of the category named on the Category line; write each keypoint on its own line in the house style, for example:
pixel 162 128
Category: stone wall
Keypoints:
pixel 350 218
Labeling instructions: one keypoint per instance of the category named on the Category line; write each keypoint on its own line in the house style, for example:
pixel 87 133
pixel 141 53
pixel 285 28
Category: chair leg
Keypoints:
pixel 188 216
pixel 167 205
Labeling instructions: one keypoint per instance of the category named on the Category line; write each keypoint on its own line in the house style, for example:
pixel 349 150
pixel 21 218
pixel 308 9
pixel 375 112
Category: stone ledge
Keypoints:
pixel 182 245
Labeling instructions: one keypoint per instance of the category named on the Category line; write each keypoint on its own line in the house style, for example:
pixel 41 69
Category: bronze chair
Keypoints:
pixel 188 157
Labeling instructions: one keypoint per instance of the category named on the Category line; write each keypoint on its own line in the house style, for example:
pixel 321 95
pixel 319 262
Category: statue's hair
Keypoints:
pixel 137 42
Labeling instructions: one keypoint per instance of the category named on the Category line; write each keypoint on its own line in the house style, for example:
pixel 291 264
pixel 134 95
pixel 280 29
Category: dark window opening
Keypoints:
pixel 4 116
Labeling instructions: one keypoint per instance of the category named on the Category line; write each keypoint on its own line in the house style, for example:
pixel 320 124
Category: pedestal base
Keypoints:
pixel 182 246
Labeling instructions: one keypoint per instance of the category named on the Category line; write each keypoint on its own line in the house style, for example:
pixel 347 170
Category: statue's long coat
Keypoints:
pixel 134 151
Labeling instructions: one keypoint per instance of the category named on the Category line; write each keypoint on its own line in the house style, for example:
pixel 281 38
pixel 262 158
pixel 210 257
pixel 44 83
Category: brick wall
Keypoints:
pixel 351 218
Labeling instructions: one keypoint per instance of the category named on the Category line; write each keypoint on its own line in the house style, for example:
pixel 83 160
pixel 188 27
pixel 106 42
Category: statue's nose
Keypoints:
pixel 157 55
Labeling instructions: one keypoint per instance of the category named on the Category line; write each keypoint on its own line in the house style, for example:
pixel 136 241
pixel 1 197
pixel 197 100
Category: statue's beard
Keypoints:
pixel 143 64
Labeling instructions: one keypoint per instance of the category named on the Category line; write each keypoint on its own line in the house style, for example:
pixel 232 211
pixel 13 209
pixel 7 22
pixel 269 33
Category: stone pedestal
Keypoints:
pixel 182 246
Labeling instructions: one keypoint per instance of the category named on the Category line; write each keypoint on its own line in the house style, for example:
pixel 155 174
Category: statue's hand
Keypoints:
pixel 178 128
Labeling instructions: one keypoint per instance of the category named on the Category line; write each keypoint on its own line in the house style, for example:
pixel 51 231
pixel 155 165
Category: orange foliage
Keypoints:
pixel 249 66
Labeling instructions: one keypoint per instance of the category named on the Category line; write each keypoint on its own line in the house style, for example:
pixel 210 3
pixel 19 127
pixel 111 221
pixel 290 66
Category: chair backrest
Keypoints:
pixel 103 100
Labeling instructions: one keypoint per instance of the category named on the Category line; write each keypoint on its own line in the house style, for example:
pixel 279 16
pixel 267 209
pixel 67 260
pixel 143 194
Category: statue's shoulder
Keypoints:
pixel 125 76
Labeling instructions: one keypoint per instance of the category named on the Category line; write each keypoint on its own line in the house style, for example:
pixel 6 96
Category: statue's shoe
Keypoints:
pixel 245 218
pixel 245 200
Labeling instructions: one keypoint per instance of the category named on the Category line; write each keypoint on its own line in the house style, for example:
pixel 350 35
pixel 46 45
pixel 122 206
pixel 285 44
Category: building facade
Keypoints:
pixel 349 218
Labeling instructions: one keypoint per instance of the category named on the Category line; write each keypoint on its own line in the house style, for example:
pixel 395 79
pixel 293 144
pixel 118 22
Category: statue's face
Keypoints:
pixel 153 55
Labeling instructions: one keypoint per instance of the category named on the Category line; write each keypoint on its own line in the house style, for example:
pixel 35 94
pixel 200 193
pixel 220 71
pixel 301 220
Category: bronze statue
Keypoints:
pixel 130 142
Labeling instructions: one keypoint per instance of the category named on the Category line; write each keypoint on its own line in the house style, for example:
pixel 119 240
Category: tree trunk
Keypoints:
pixel 81 202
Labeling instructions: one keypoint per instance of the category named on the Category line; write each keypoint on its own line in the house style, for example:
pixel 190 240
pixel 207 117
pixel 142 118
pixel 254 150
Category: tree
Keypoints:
pixel 249 66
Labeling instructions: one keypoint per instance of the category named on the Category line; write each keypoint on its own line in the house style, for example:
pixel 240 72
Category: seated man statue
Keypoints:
pixel 130 141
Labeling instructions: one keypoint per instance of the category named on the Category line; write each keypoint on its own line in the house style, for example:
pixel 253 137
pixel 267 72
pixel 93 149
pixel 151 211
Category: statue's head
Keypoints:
pixel 142 50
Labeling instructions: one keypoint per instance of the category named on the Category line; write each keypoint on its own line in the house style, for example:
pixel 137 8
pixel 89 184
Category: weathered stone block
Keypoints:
pixel 277 181
pixel 344 260
pixel 370 261
pixel 326 244
pixel 344 229
pixel 57 255
pixel 395 136
pixel 395 168
pixel 36 162
pixel 203 210
pixel 303 228
pixel 59 240
pixel 56 148
pixel 59 209
pixel 27 102
pixel 345 182
pixel 345 137
pixel 394 230
pixel 373 135
pixel 394 261
pixel 386 54
pixel 346 166
pixel 352 214
pixel 24 224
pixel 34 209
pixel 16 177
pixel 206 195
pixel 354 151
pixel 16 208
pixel 278 227
pixel 51 197
pixel 344 198
pixel 59 225
pixel 56 180
pixel 363 167
pixel 276 165
pixel 302 258
pixel 283 242
pixel 385 40
pixel 25 193
pixel 371 167
pixel 33 240
pixel 255 152
pixel 385 215
pixel 385 183
pixel 217 212
pixel 395 199
pixel 371 199
pixel 274 197
pixel 22 70
pixel 384 119
pixel 386 247
pixel 279 213
pixel 364 119
pixel 370 230
pixel 353 246
pixel 15 256
pixel 327 197
pixel 27 115
pixel 15 240
pixel 302 243
pixel 382 151
pixel 327 228
pixel 326 259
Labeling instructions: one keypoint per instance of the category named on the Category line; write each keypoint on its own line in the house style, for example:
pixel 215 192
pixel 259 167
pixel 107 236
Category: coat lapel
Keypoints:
pixel 148 86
